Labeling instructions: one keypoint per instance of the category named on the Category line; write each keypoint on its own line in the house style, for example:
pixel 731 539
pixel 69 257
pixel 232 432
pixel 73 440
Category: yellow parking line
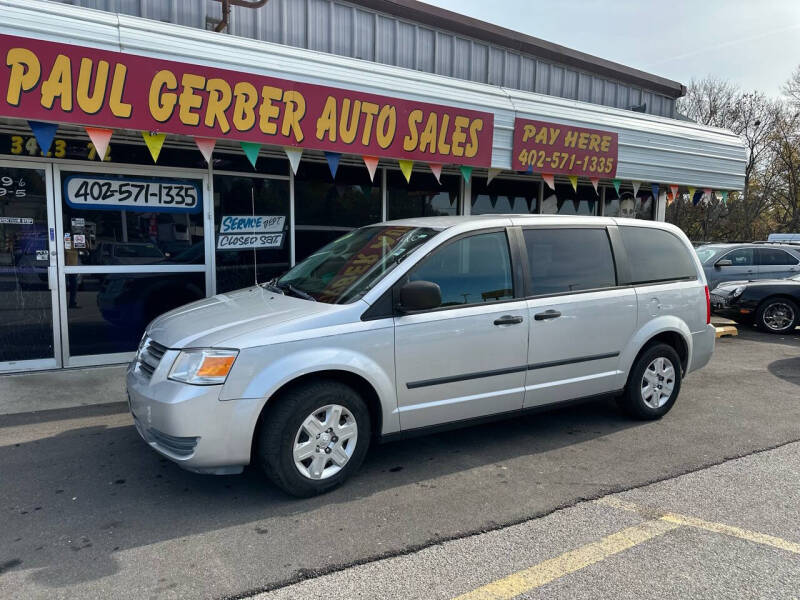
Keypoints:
pixel 744 534
pixel 569 562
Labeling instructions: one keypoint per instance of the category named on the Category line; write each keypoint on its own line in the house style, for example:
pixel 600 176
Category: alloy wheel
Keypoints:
pixel 778 316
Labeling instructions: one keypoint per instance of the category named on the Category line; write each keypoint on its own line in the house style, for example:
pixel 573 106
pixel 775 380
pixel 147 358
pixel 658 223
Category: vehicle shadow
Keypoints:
pixel 787 369
pixel 73 500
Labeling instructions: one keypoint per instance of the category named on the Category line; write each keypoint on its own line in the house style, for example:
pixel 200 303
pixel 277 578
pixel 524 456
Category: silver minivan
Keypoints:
pixel 420 324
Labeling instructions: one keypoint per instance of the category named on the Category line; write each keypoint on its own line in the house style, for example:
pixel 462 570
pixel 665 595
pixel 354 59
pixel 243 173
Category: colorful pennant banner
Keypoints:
pixel 654 190
pixel 573 179
pixel 372 165
pixel 206 147
pixel 492 174
pixel 616 183
pixel 100 138
pixel 406 166
pixel 674 190
pixel 436 169
pixel 44 134
pixel 251 151
pixel 595 181
pixel 154 141
pixel 293 154
pixel 333 159
pixel 466 172
pixel 636 185
pixel 549 180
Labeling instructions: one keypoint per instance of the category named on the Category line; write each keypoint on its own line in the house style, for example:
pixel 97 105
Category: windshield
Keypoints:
pixel 347 268
pixel 706 253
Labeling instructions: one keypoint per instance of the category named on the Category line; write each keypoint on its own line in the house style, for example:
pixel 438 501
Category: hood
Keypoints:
pixel 211 321
pixel 731 285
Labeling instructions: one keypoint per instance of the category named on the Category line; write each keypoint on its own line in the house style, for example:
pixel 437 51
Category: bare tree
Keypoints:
pixel 792 87
pixel 710 101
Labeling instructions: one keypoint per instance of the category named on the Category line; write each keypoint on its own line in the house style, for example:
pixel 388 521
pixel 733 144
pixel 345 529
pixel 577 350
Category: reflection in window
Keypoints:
pixel 423 196
pixel 471 270
pixel 241 196
pixel 504 196
pixel 110 312
pixel 566 201
pixel 626 205
pixel 326 209
pixel 126 237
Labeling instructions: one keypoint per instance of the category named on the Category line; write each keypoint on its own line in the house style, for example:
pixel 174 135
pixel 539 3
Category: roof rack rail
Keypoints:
pixel 778 242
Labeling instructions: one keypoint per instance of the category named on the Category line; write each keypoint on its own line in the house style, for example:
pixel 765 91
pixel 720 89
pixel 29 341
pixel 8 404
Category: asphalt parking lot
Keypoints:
pixel 89 511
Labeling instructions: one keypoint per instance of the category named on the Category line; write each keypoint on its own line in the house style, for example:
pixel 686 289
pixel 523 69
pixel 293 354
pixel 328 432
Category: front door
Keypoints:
pixel 28 282
pixel 742 268
pixel 466 359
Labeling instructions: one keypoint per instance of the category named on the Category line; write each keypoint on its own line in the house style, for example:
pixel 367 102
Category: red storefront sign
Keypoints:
pixel 558 149
pixel 63 83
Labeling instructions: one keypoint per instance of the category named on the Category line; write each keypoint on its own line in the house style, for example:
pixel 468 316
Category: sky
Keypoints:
pixel 753 43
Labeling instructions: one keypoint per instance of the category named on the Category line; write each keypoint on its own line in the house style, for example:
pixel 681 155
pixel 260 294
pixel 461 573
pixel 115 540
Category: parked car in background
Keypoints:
pixel 415 325
pixel 746 262
pixel 784 237
pixel 772 304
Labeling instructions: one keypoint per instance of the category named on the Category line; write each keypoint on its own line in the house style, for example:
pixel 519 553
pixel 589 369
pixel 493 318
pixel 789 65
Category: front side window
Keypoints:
pixel 743 257
pixel 349 267
pixel 656 255
pixel 771 257
pixel 470 270
pixel 568 260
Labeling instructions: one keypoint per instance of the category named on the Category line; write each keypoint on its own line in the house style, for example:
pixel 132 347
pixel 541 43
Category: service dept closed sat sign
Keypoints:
pixel 250 231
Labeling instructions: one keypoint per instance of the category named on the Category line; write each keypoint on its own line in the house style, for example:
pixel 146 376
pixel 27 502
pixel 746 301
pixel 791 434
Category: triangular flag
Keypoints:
pixel 670 198
pixel 674 190
pixel 530 170
pixel 333 159
pixel 695 195
pixel 595 181
pixel 466 172
pixel 635 185
pixel 492 174
pixel 654 189
pixel 707 195
pixel 725 197
pixel 44 134
pixel 406 166
pixel 372 165
pixel 550 181
pixel 100 138
pixel 206 147
pixel 616 183
pixel 251 151
pixel 573 179
pixel 436 169
pixel 293 154
pixel 154 141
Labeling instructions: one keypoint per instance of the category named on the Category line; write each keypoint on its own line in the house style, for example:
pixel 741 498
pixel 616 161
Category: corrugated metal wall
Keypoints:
pixel 348 30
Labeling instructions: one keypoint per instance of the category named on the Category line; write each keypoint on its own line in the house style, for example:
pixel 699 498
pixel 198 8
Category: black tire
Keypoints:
pixel 791 309
pixel 632 401
pixel 283 421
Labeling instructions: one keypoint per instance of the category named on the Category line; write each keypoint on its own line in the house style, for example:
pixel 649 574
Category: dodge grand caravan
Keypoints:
pixel 418 324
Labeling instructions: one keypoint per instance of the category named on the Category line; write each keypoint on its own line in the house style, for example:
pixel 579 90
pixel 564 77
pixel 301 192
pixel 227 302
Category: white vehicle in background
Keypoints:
pixel 416 325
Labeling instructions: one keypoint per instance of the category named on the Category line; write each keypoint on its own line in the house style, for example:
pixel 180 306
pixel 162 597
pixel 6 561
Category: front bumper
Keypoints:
pixel 188 423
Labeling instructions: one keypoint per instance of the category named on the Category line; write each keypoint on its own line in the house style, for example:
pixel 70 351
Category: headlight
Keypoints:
pixel 737 292
pixel 204 366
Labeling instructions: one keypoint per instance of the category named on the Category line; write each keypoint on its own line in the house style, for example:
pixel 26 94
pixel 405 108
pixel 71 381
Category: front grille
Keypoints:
pixel 149 356
pixel 179 446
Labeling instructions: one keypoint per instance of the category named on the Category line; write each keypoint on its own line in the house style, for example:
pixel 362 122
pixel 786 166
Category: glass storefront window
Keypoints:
pixel 101 234
pixel 626 205
pixel 108 312
pixel 239 259
pixel 566 201
pixel 423 197
pixel 504 196
pixel 326 209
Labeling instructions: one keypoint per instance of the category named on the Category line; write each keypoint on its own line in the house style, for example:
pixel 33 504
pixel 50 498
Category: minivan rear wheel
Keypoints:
pixel 314 437
pixel 654 383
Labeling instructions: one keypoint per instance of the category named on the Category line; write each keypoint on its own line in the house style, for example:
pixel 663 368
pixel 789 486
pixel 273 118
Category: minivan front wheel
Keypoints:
pixel 314 437
pixel 653 384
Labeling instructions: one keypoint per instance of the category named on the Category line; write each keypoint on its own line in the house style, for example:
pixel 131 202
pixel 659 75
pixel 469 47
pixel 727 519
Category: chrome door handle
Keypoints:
pixel 548 314
pixel 508 320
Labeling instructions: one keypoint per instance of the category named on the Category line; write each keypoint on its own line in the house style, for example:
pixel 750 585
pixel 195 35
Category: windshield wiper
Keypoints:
pixel 270 285
pixel 296 291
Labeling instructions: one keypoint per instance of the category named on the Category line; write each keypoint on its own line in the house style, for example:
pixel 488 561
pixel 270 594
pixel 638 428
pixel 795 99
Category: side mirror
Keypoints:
pixel 420 295
pixel 723 263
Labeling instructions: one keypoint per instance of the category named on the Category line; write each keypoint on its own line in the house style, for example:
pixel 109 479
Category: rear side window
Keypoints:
pixel 568 260
pixel 656 255
pixel 771 257
pixel 471 270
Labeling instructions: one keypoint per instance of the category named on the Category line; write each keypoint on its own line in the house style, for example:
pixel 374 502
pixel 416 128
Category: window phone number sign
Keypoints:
pixel 558 149
pixel 96 192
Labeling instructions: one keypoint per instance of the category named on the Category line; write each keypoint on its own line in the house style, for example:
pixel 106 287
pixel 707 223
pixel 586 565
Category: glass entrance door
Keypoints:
pixel 28 285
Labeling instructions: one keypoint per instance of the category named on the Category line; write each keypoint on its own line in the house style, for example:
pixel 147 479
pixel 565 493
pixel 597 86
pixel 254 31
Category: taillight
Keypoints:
pixel 708 307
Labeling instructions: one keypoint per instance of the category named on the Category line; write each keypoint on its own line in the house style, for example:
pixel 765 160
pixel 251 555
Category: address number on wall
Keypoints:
pixel 134 193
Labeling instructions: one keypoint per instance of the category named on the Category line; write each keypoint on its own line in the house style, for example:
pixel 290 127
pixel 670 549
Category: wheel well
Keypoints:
pixel 676 341
pixel 356 382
